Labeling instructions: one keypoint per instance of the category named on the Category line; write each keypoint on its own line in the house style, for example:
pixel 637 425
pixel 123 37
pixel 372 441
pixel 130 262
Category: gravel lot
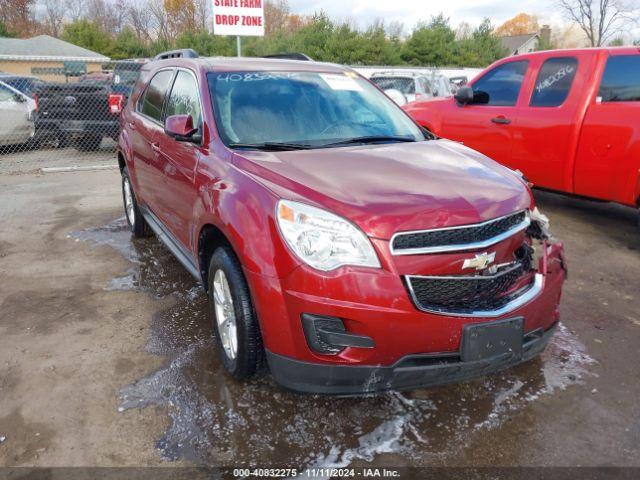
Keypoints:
pixel 106 358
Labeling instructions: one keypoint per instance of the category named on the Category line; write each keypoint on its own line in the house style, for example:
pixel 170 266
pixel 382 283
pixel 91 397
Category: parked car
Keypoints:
pixel 81 114
pixel 406 87
pixel 24 84
pixel 332 235
pixel 16 111
pixel 567 119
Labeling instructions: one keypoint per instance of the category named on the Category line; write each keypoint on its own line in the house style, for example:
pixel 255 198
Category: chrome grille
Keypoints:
pixel 467 237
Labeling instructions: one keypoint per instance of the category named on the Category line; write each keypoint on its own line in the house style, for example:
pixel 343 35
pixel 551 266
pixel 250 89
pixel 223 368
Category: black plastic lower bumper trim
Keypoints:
pixel 414 371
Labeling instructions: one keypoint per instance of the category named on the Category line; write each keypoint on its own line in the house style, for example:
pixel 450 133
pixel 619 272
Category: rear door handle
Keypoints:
pixel 501 120
pixel 155 147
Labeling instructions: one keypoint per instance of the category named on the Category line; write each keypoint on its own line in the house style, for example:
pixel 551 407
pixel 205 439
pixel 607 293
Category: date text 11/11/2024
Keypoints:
pixel 320 472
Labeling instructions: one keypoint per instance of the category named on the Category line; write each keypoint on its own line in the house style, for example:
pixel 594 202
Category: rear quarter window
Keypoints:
pixel 621 79
pixel 554 82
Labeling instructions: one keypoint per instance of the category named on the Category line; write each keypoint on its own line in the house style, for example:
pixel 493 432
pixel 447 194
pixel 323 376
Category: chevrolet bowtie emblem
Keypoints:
pixel 480 262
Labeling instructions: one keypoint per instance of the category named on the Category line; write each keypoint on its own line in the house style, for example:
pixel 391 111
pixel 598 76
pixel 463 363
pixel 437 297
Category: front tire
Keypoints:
pixel 237 333
pixel 137 223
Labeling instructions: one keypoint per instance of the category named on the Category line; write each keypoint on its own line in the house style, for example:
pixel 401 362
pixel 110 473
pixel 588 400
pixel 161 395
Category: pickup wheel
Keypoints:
pixel 88 142
pixel 136 221
pixel 237 333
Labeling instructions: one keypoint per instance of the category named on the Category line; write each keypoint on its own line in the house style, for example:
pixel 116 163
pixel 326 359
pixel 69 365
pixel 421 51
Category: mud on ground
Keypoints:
pixel 106 358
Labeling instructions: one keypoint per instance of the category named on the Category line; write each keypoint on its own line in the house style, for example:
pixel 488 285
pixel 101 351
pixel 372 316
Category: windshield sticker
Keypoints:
pixel 555 78
pixel 341 82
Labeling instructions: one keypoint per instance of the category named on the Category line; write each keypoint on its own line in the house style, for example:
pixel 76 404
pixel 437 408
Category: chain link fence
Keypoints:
pixel 58 117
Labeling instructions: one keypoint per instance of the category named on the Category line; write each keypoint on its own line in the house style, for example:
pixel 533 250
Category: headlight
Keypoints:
pixel 323 240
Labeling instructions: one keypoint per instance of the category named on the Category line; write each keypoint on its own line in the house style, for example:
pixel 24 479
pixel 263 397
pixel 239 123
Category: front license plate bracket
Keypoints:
pixel 481 341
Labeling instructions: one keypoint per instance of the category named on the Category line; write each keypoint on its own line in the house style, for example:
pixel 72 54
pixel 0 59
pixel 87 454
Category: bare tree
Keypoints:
pixel 395 29
pixel 600 20
pixel 18 16
pixel 141 20
pixel 202 14
pixel 109 15
pixel 159 20
pixel 464 31
pixel 53 12
pixel 75 9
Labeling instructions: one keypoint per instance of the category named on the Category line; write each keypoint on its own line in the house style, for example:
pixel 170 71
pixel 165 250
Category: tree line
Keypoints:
pixel 142 28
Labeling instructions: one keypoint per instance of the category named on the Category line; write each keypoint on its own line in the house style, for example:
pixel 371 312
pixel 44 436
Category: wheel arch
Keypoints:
pixel 210 238
pixel 121 161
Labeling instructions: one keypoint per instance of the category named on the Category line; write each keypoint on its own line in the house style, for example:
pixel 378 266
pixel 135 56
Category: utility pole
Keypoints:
pixel 239 45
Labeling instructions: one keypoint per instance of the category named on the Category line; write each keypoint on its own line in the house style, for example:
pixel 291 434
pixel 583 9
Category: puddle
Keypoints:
pixel 216 421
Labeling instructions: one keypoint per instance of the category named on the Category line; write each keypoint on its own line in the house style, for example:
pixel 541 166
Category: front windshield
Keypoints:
pixel 313 109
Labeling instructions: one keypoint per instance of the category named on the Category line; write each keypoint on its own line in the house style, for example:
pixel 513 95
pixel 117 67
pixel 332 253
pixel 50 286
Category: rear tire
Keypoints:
pixel 88 142
pixel 237 333
pixel 138 225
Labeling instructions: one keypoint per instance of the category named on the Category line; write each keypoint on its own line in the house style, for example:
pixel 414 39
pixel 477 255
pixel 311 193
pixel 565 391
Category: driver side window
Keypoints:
pixel 500 86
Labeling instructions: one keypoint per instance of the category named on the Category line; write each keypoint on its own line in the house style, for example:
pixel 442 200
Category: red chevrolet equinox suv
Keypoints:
pixel 336 239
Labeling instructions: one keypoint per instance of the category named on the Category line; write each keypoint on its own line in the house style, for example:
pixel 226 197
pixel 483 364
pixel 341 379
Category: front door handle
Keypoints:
pixel 132 125
pixel 155 147
pixel 501 120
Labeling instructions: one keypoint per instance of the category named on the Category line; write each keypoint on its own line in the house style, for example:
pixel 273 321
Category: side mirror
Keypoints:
pixel 397 96
pixel 464 95
pixel 19 98
pixel 180 128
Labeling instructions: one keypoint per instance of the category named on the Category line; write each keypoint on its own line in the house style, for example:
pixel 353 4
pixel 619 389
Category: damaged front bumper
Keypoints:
pixel 410 372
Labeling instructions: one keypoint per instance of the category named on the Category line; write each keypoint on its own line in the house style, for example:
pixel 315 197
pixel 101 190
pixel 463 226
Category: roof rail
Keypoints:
pixel 184 53
pixel 291 56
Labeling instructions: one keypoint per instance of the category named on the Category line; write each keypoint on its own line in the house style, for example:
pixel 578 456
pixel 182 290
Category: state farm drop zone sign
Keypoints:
pixel 238 17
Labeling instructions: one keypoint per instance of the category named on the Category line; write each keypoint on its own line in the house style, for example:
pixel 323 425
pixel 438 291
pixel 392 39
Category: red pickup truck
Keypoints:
pixel 568 119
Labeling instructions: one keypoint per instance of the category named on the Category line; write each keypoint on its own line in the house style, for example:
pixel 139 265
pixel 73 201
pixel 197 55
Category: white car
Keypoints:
pixel 16 116
pixel 405 87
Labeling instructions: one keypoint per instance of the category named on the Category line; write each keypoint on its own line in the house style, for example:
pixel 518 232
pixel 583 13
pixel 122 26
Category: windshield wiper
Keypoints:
pixel 371 139
pixel 272 146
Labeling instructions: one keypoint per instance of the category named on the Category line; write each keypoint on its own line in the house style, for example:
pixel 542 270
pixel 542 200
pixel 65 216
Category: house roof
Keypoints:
pixel 515 42
pixel 46 48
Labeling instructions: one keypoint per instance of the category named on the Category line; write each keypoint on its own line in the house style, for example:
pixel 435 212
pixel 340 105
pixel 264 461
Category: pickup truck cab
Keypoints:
pixel 567 119
pixel 334 236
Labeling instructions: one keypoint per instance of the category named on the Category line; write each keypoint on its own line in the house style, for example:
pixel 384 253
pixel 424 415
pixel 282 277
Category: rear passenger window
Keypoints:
pixel 554 82
pixel 153 98
pixel 621 79
pixel 500 86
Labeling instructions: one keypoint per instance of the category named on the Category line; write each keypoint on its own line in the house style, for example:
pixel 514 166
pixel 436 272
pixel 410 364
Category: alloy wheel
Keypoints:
pixel 129 206
pixel 225 315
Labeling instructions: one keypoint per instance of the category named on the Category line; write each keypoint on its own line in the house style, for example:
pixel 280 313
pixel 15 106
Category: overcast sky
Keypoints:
pixel 363 12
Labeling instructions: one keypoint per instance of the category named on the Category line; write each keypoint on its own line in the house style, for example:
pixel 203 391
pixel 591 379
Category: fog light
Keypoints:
pixel 328 335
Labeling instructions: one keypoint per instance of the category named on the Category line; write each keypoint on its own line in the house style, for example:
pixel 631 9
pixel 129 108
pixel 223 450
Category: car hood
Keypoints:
pixel 396 187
